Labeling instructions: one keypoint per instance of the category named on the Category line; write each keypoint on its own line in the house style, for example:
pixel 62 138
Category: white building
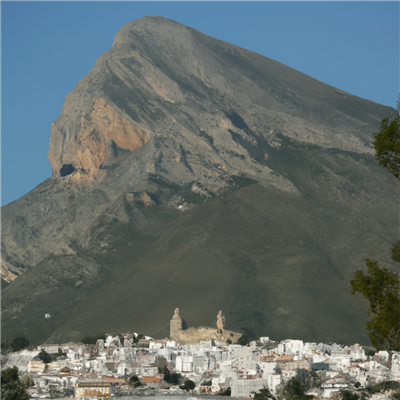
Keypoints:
pixel 184 363
pixel 247 387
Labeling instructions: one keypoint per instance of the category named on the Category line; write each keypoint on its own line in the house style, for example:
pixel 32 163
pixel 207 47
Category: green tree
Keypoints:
pixel 264 394
pixel 11 386
pixel 247 336
pixel 93 339
pixel 27 381
pixel 45 357
pixel 172 379
pixel 19 343
pixel 346 395
pixel 61 353
pixel 381 288
pixel 378 285
pixel 188 385
pixel 226 392
pixel 387 145
pixel 396 252
pixel 4 346
pixel 134 381
pixel 383 386
pixel 293 390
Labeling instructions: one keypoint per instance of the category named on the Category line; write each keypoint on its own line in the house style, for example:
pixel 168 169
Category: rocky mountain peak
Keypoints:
pixel 210 110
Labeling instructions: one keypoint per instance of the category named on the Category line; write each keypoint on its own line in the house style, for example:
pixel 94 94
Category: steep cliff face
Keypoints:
pixel 208 167
pixel 81 155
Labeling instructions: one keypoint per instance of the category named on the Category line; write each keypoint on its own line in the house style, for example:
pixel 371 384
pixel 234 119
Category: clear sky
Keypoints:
pixel 47 47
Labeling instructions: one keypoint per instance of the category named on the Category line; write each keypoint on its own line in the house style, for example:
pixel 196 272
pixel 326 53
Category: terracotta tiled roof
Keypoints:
pixel 285 358
pixel 353 366
pixel 267 358
pixel 151 379
pixel 113 379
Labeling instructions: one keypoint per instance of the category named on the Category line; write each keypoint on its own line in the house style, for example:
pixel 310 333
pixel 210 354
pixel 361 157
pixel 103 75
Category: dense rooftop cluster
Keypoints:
pixel 131 364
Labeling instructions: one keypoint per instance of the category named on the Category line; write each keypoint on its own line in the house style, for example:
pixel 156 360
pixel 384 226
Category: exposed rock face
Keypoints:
pixel 212 168
pixel 82 154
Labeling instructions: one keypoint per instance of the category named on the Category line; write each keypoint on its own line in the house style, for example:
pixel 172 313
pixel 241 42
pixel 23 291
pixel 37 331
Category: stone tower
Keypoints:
pixel 175 326
pixel 220 322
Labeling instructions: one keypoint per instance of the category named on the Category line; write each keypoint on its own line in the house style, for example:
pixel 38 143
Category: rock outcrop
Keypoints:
pixel 82 155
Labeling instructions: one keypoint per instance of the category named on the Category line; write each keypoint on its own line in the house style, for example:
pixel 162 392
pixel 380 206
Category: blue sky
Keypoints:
pixel 47 47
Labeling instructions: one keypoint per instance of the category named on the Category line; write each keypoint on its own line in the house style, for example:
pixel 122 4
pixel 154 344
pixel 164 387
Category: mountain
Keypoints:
pixel 188 172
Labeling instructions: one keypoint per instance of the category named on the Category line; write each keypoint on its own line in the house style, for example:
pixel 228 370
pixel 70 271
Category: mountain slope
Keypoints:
pixel 191 173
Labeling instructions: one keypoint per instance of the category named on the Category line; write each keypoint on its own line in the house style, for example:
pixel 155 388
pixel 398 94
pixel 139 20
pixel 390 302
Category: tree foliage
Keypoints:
pixel 309 379
pixel 387 145
pixel 293 390
pixel 11 386
pixel 264 394
pixel 45 357
pixel 61 353
pixel 19 343
pixel 381 288
pixel 383 386
pixel 188 385
pixel 93 339
pixel 172 379
pixel 134 381
pixel 226 392
pixel 346 395
pixel 27 381
pixel 247 336
pixel 396 252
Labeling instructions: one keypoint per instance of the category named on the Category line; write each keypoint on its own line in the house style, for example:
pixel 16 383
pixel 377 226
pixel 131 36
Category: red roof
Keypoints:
pixel 151 379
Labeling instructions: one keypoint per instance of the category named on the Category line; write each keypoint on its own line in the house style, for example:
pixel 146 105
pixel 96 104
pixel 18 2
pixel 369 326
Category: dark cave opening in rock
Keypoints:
pixel 67 169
